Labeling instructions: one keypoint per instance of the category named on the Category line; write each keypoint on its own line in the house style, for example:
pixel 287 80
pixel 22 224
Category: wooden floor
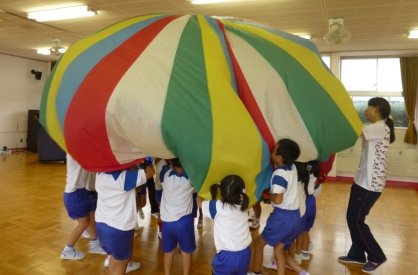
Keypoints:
pixel 34 227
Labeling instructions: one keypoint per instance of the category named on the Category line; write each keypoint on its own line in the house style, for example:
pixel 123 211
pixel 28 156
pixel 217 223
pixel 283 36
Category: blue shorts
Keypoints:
pixel 232 262
pixel 158 195
pixel 181 232
pixel 92 201
pixel 282 227
pixel 115 242
pixel 310 212
pixel 77 203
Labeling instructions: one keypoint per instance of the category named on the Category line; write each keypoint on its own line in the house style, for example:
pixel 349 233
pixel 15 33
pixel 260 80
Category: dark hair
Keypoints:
pixel 313 168
pixel 232 191
pixel 289 150
pixel 303 174
pixel 176 163
pixel 384 109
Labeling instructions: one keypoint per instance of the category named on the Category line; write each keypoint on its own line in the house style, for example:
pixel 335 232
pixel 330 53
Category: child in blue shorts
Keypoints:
pixel 176 215
pixel 283 223
pixel 231 234
pixel 116 214
pixel 80 205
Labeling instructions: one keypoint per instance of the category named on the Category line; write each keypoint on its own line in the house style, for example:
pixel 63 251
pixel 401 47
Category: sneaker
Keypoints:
pixel 270 265
pixel 255 225
pixel 96 248
pixel 200 224
pixel 132 266
pixel 305 256
pixel 251 218
pixel 289 267
pixel 86 235
pixel 348 260
pixel 106 262
pixel 70 253
pixel 371 267
pixel 141 214
pixel 160 235
pixel 298 259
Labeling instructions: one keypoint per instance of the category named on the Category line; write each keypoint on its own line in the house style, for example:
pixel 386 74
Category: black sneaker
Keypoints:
pixel 371 267
pixel 348 260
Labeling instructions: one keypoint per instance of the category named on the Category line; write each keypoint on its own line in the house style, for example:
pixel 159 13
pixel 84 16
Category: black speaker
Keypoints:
pixel 38 74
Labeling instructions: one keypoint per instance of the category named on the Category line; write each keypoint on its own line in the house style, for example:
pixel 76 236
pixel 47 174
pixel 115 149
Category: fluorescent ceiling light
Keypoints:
pixel 49 51
pixel 61 13
pixel 203 2
pixel 43 51
pixel 304 35
pixel 413 34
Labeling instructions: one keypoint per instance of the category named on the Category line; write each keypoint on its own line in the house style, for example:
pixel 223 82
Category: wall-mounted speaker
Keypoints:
pixel 38 74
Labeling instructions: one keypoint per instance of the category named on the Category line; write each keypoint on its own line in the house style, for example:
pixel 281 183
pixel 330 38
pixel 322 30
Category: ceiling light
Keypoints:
pixel 413 34
pixel 304 35
pixel 43 51
pixel 61 13
pixel 203 2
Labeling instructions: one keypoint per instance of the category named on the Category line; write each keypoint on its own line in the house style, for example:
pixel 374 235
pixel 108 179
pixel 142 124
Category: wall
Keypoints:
pixel 19 92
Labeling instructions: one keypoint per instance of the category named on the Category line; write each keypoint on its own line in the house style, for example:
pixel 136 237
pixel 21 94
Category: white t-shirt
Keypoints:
pixel 116 205
pixel 177 198
pixel 284 181
pixel 230 228
pixel 77 177
pixel 371 173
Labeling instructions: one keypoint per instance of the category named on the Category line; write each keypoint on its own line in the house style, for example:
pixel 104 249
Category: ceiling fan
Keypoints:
pixel 336 34
pixel 55 50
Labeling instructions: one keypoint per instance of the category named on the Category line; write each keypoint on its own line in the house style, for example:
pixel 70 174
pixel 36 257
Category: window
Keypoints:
pixel 327 60
pixel 365 78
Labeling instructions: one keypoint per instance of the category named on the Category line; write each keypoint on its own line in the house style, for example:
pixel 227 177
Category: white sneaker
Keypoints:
pixel 96 248
pixel 270 265
pixel 305 256
pixel 155 215
pixel 70 253
pixel 298 259
pixel 106 262
pixel 86 235
pixel 132 266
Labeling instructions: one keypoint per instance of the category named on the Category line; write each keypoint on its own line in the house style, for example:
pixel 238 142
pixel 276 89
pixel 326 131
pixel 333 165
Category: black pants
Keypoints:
pixel 359 205
pixel 151 196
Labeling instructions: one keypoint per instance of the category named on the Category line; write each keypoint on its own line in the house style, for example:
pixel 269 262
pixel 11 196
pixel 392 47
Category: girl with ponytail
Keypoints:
pixel 368 185
pixel 231 235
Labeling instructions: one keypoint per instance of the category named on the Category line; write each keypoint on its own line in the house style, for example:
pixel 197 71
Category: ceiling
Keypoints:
pixel 374 24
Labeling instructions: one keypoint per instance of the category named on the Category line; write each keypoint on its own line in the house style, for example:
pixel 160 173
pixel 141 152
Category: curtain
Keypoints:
pixel 409 73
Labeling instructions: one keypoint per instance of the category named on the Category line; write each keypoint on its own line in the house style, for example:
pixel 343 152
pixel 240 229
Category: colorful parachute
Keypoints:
pixel 216 92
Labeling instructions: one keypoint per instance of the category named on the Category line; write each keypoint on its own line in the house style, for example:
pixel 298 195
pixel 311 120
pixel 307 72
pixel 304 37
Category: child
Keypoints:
pixel 176 215
pixel 283 223
pixel 313 169
pixel 231 234
pixel 116 214
pixel 368 185
pixel 80 206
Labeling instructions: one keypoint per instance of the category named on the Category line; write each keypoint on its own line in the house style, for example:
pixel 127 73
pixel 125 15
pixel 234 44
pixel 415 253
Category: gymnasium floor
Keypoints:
pixel 34 227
